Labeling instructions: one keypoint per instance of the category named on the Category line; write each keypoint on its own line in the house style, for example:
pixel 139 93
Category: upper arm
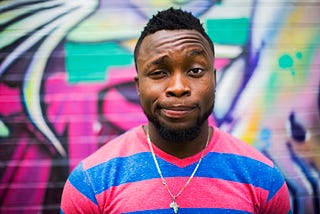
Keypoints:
pixel 78 195
pixel 278 200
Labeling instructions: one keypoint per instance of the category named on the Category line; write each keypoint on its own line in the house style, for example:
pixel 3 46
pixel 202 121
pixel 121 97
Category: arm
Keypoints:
pixel 278 200
pixel 78 195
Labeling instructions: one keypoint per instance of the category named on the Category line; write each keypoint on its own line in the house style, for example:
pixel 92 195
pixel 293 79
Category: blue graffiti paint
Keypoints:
pixel 298 132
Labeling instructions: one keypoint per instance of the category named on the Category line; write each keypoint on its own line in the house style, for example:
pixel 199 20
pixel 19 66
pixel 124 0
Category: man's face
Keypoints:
pixel 176 79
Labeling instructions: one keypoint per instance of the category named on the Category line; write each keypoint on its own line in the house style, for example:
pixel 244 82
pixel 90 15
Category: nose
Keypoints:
pixel 178 86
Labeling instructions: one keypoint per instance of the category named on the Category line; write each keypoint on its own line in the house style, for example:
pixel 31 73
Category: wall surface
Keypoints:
pixel 66 87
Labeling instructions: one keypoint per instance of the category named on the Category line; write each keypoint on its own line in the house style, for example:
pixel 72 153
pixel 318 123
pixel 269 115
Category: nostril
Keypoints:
pixel 178 93
pixel 170 94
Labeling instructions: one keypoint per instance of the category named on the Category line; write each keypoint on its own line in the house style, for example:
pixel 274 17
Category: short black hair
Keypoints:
pixel 171 19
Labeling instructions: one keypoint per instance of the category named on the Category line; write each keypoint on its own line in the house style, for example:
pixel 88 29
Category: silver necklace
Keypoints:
pixel 174 204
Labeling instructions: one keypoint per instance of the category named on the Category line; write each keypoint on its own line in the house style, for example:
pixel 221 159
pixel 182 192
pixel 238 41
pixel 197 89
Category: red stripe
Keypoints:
pixel 278 202
pixel 201 193
pixel 74 201
pixel 120 147
pixel 230 145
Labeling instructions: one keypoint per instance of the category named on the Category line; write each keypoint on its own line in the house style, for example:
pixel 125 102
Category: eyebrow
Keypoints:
pixel 197 52
pixel 191 53
pixel 157 61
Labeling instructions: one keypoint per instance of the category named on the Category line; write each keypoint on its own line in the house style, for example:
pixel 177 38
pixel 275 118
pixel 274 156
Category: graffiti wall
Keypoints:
pixel 66 87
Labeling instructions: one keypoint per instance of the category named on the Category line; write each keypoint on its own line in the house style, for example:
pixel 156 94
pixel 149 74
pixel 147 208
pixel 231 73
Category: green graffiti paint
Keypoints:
pixel 89 62
pixel 228 31
pixel 4 131
pixel 181 1
pixel 285 61
pixel 299 55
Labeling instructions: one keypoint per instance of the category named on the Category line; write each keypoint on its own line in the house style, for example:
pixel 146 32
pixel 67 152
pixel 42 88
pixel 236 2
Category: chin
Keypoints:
pixel 177 133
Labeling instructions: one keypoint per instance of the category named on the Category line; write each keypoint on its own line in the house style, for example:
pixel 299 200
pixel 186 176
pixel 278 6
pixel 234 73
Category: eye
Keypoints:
pixel 196 72
pixel 157 74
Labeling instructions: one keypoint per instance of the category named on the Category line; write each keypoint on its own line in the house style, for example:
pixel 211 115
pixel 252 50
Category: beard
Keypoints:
pixel 180 135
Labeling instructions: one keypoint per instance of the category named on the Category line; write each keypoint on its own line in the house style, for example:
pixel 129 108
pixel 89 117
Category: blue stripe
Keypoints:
pixel 82 183
pixel 141 167
pixel 256 173
pixel 192 211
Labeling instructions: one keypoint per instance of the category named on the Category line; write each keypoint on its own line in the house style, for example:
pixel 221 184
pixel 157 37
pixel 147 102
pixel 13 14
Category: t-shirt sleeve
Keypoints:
pixel 278 200
pixel 78 195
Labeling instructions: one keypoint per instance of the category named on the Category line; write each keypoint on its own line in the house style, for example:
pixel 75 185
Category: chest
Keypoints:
pixel 138 187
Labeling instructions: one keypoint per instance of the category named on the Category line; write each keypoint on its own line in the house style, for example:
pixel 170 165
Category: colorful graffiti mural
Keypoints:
pixel 66 87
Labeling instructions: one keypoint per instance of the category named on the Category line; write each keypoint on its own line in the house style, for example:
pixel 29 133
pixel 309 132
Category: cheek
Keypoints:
pixel 148 97
pixel 206 88
pixel 207 92
pixel 151 89
pixel 144 99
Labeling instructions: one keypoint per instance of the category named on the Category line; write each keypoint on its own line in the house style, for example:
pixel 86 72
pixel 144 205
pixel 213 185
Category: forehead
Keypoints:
pixel 173 40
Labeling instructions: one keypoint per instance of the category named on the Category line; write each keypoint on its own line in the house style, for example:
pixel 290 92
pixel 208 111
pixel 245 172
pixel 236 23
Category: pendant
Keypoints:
pixel 174 206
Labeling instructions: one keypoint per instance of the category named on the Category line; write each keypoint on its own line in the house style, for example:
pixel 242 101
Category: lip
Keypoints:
pixel 176 112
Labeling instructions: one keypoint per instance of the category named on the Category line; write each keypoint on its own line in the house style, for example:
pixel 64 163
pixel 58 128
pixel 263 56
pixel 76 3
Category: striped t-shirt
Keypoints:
pixel 121 177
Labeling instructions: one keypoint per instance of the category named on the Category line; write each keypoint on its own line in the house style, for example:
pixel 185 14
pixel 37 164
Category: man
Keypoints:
pixel 176 163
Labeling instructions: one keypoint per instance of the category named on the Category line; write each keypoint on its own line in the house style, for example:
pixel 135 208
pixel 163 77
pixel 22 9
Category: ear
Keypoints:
pixel 214 76
pixel 136 80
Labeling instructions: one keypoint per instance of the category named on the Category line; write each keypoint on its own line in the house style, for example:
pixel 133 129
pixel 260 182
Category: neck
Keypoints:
pixel 183 149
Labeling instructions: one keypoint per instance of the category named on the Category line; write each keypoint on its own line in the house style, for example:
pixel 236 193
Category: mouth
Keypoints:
pixel 177 111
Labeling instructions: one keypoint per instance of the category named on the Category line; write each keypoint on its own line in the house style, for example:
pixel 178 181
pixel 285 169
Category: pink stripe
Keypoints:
pixel 277 202
pixel 115 148
pixel 74 202
pixel 222 143
pixel 201 192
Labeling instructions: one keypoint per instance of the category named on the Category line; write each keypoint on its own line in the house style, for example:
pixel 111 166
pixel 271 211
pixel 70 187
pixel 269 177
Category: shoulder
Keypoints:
pixel 247 161
pixel 227 143
pixel 129 143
